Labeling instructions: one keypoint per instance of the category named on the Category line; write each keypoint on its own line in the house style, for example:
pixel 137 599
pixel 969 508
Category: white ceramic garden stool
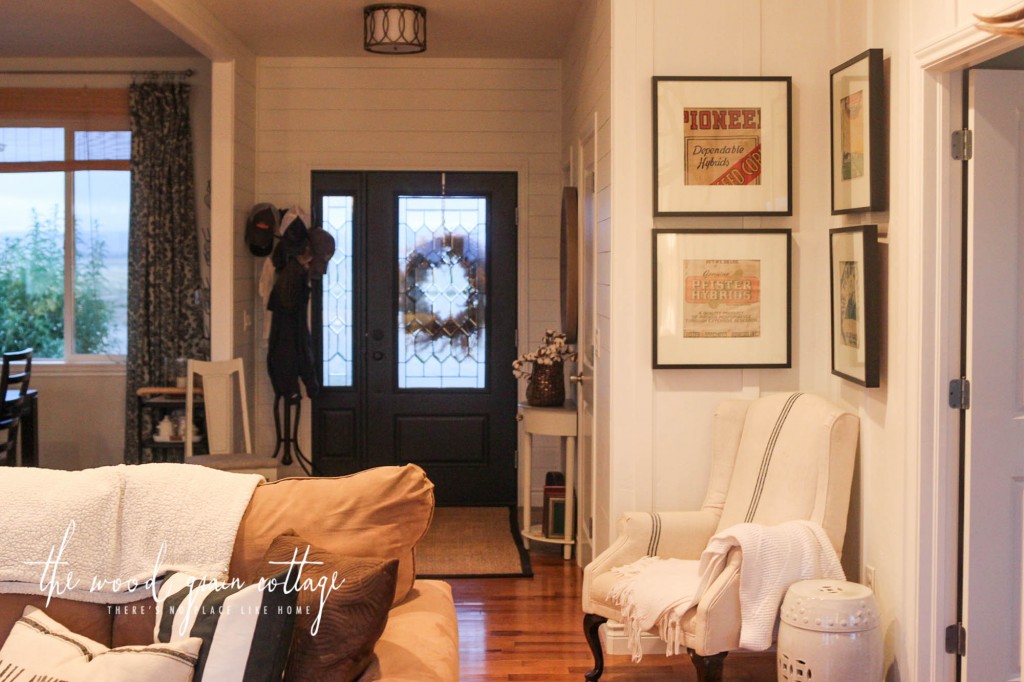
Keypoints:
pixel 829 633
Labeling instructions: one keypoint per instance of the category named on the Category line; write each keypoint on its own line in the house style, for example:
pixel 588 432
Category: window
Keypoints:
pixel 64 202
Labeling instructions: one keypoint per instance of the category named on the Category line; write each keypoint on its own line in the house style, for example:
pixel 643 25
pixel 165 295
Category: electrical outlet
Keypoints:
pixel 869 576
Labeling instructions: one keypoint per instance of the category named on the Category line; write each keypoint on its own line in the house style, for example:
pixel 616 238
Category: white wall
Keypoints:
pixel 81 422
pixel 876 535
pixel 245 265
pixel 380 113
pixel 669 408
pixel 739 37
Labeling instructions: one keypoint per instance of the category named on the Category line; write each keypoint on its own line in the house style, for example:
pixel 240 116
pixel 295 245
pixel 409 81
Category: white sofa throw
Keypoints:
pixel 99 535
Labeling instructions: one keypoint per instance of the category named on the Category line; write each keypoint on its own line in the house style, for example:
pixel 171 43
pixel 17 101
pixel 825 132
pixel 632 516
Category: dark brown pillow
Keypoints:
pixel 354 615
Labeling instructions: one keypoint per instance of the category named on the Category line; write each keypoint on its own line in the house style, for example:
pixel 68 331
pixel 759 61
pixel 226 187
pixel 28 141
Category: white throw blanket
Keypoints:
pixel 658 592
pixel 99 535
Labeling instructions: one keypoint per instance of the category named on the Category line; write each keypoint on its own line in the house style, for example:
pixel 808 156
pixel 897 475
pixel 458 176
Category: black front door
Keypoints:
pixel 416 325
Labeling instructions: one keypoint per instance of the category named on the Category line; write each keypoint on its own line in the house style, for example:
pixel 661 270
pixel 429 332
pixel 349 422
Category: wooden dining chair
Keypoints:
pixel 9 441
pixel 219 403
pixel 13 388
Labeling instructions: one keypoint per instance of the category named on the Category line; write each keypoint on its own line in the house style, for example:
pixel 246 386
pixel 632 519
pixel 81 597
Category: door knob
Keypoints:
pixel 577 378
pixel 378 355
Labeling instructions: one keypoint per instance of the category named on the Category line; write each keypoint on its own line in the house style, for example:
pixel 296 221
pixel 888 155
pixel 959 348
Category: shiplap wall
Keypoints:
pixel 244 338
pixel 395 113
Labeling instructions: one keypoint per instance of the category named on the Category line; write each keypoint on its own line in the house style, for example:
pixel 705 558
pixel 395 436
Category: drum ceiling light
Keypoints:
pixel 394 29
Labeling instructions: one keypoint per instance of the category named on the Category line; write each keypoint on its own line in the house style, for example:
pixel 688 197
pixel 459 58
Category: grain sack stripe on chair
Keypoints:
pixel 811 438
pixel 652 546
pixel 767 459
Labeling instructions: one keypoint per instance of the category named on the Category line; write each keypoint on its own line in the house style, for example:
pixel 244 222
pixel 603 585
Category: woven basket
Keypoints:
pixel 547 386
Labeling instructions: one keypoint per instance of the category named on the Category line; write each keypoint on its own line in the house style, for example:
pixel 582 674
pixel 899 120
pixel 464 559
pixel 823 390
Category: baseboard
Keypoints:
pixel 613 634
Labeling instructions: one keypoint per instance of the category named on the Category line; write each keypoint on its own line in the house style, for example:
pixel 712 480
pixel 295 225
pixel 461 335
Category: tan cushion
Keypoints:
pixel 351 618
pixel 89 620
pixel 421 640
pixel 381 512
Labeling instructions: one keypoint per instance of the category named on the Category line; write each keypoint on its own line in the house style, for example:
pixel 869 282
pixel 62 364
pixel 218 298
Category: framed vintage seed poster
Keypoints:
pixel 855 304
pixel 722 146
pixel 859 158
pixel 721 298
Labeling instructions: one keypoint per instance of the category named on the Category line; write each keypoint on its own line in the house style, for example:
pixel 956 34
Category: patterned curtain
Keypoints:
pixel 165 309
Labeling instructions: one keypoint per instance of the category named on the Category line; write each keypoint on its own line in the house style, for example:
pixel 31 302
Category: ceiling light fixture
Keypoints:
pixel 394 29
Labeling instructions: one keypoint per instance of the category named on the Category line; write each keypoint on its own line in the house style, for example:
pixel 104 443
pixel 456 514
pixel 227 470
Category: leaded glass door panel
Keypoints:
pixel 416 325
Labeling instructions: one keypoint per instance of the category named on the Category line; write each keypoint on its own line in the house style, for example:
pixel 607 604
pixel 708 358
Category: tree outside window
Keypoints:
pixel 65 196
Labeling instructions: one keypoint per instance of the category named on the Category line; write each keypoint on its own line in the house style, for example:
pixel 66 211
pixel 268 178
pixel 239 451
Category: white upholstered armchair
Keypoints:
pixel 774 459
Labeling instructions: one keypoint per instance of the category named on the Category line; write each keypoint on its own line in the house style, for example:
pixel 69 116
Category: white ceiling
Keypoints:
pixel 280 28
pixel 83 28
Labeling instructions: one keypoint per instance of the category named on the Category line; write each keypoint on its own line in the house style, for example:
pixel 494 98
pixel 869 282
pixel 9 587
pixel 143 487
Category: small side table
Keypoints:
pixel 549 421
pixel 163 400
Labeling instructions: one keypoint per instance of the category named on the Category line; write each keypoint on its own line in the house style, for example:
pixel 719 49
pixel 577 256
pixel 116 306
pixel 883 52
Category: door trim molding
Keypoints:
pixel 933 265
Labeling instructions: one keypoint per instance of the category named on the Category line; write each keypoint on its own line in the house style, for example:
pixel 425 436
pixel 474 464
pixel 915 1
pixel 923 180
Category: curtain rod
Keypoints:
pixel 187 73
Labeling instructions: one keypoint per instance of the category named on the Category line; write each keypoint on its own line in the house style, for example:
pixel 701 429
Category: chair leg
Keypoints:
pixel 591 623
pixel 709 668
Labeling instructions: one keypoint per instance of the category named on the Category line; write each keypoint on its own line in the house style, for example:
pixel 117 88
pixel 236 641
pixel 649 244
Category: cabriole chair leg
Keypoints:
pixel 709 668
pixel 591 623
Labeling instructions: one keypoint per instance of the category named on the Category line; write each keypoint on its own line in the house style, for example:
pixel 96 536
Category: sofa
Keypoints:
pixel 378 514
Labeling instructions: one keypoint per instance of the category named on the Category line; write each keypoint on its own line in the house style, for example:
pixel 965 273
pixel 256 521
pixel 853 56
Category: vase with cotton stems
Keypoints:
pixel 544 370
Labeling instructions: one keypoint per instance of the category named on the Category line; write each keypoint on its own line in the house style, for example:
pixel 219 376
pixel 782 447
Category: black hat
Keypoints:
pixel 294 236
pixel 322 245
pixel 260 228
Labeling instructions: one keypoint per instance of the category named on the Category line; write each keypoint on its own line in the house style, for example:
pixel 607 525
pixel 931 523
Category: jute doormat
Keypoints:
pixel 473 542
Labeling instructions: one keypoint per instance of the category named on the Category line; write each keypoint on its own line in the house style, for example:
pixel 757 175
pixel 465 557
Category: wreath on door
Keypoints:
pixel 425 271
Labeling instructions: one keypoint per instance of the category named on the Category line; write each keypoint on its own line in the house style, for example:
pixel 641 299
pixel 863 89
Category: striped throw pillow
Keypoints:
pixel 246 629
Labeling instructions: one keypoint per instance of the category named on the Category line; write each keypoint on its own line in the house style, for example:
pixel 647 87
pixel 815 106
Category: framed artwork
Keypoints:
pixel 855 303
pixel 721 298
pixel 722 146
pixel 859 158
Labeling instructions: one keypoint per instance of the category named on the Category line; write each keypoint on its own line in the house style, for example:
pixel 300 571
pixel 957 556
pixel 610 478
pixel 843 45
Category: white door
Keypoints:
pixel 994 476
pixel 586 345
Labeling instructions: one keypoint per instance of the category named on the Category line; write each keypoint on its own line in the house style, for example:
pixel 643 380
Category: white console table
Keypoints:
pixel 549 421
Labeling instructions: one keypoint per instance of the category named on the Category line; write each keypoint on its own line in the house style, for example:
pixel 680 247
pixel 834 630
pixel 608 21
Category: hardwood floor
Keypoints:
pixel 525 630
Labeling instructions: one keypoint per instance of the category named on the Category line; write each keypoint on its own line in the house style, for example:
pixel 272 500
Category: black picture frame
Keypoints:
pixel 855 303
pixel 859 135
pixel 722 298
pixel 748 170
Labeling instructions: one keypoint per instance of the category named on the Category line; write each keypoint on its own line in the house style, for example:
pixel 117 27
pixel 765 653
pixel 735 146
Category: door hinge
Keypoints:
pixel 963 145
pixel 515 455
pixel 515 338
pixel 956 639
pixel 960 394
pixel 517 216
